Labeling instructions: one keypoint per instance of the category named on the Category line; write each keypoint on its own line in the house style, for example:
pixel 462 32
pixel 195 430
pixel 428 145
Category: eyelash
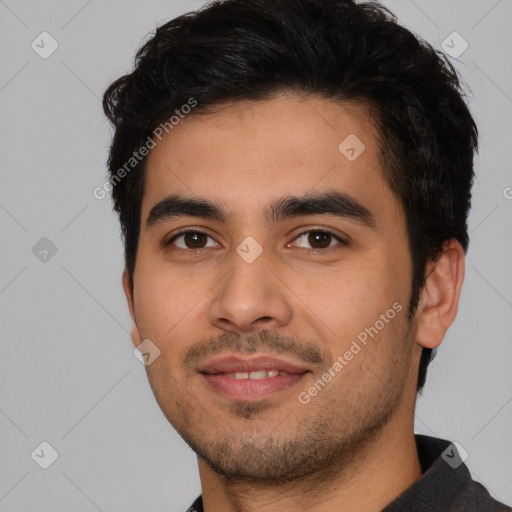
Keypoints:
pixel 307 232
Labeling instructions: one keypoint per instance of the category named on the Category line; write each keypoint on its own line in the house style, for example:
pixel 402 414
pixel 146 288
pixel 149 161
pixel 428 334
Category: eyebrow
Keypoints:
pixel 334 203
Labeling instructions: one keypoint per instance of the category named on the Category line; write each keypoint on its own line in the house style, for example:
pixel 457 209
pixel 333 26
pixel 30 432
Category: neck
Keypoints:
pixel 376 474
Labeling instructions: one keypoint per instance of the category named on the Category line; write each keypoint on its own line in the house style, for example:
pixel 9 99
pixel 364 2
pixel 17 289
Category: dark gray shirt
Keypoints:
pixel 445 485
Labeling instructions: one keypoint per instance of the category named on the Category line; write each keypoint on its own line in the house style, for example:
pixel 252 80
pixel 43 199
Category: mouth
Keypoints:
pixel 246 379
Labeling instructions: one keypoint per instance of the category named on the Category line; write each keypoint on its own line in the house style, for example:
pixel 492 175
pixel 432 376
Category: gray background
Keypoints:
pixel 67 372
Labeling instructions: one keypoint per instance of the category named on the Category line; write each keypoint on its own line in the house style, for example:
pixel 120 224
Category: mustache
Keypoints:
pixel 261 341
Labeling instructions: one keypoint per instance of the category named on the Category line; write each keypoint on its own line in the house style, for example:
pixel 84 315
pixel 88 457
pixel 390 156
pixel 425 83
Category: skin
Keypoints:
pixel 278 453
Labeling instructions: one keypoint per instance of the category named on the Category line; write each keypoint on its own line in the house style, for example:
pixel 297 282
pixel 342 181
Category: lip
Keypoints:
pixel 232 364
pixel 214 373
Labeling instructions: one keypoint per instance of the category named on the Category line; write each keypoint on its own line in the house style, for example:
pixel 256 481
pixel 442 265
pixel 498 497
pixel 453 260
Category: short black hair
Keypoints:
pixel 232 50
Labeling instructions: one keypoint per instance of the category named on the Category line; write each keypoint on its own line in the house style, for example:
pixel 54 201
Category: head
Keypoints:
pixel 244 107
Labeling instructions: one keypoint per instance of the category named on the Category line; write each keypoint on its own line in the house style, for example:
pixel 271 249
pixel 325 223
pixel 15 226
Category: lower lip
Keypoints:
pixel 251 389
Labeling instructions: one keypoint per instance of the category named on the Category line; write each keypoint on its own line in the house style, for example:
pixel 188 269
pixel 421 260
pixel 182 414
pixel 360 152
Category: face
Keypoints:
pixel 273 274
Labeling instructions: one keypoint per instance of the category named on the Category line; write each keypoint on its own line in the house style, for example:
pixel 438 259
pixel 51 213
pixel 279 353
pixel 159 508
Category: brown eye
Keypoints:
pixel 190 240
pixel 318 239
pixel 194 240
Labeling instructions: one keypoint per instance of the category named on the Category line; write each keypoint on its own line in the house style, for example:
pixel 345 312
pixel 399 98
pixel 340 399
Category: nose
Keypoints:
pixel 251 297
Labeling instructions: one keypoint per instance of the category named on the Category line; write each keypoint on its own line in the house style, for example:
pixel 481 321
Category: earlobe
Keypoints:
pixel 439 298
pixel 135 335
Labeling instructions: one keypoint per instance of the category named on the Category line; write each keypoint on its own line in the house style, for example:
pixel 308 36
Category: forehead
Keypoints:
pixel 245 153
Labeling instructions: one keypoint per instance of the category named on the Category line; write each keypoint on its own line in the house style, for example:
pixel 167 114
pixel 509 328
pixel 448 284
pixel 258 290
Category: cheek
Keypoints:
pixel 365 315
pixel 348 298
pixel 170 311
pixel 158 302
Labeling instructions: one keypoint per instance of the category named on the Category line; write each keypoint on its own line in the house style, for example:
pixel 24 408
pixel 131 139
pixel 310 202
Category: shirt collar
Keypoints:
pixel 444 478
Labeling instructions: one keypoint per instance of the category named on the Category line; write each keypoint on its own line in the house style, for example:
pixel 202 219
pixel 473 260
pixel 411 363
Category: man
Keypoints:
pixel 293 181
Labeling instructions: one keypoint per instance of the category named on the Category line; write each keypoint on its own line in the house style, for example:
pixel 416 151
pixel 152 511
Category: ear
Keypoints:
pixel 439 298
pixel 135 335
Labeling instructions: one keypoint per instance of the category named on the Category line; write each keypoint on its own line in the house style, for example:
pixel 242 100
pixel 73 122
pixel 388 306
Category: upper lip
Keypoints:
pixel 237 364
